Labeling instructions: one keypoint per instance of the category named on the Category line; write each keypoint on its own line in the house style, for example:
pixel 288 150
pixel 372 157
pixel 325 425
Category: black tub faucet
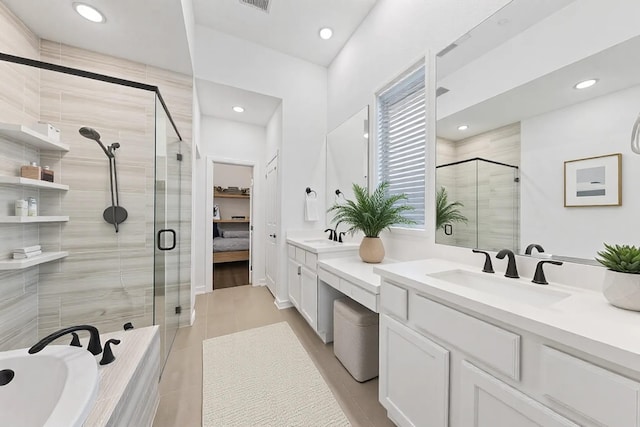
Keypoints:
pixel 533 246
pixel 94 341
pixel 512 270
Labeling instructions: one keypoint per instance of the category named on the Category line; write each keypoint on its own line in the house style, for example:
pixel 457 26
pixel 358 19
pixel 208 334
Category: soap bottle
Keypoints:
pixel 21 208
pixel 33 207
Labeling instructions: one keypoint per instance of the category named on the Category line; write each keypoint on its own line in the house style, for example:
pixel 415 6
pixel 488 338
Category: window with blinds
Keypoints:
pixel 402 141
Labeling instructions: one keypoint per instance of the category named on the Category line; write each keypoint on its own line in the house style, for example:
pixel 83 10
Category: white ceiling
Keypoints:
pixel 291 26
pixel 218 100
pixel 617 68
pixel 151 32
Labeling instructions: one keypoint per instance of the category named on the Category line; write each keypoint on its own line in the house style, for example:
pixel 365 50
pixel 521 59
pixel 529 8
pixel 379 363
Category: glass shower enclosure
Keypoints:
pixel 489 197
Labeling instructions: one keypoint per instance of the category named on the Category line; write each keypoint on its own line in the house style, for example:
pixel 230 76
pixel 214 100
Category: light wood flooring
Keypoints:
pixel 228 310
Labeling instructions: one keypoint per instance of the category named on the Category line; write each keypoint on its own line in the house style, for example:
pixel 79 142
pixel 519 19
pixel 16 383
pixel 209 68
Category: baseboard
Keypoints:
pixel 193 316
pixel 200 290
pixel 282 304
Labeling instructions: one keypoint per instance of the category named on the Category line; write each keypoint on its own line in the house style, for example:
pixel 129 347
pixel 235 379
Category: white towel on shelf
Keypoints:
pixel 311 209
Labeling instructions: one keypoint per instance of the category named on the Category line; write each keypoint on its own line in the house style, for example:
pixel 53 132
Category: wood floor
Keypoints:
pixel 230 274
pixel 225 311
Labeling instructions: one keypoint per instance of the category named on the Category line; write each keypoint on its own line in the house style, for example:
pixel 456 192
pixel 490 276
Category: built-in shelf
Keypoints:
pixel 231 196
pixel 27 182
pixel 19 264
pixel 231 220
pixel 21 133
pixel 31 219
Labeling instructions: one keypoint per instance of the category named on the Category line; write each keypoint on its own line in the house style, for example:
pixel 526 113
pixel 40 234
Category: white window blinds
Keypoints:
pixel 402 141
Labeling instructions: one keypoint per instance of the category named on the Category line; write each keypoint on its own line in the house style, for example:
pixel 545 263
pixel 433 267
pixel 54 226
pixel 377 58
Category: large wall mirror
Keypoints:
pixel 347 158
pixel 533 107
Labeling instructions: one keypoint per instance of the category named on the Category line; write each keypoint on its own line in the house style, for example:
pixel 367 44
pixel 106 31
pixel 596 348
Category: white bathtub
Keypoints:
pixel 55 387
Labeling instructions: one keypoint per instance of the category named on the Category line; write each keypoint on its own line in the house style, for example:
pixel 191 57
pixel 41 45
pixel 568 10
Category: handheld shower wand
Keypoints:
pixel 114 214
pixel 635 136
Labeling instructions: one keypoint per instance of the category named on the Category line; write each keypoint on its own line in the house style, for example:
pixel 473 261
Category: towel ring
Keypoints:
pixel 309 191
pixel 339 193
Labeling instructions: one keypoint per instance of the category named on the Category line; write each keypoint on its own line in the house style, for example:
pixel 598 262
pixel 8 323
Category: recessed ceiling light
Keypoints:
pixel 326 33
pixel 463 127
pixel 585 84
pixel 89 13
pixel 238 109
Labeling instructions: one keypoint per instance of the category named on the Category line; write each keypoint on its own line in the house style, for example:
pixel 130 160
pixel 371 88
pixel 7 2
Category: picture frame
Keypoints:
pixel 593 181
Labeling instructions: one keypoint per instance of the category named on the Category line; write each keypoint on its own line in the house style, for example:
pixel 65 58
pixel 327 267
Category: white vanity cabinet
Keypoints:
pixel 441 364
pixel 302 281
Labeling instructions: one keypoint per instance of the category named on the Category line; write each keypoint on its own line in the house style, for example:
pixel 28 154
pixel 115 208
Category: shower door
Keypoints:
pixel 166 227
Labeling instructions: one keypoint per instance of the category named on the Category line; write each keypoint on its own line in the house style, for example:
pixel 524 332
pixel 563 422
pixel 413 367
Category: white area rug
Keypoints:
pixel 264 377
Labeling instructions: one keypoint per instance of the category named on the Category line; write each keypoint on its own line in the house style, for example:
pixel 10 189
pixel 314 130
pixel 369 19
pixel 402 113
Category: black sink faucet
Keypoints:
pixel 512 270
pixel 331 233
pixel 94 341
pixel 533 246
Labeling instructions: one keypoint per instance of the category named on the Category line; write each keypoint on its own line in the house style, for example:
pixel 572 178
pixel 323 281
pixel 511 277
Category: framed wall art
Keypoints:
pixel 593 181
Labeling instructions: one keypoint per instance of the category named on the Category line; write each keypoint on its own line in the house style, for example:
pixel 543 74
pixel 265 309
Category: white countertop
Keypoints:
pixel 584 320
pixel 319 245
pixel 356 271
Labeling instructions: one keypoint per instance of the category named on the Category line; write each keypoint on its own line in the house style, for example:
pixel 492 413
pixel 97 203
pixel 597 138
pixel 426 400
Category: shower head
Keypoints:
pixel 91 133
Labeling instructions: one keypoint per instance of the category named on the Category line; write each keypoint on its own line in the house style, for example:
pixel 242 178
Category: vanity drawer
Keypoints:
pixel 300 255
pixel 593 392
pixel 484 342
pixel 291 251
pixel 329 278
pixel 393 300
pixel 365 298
pixel 311 260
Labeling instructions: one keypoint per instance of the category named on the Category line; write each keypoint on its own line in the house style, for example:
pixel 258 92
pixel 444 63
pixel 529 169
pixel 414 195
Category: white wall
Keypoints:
pixel 302 86
pixel 229 141
pixel 197 213
pixel 594 128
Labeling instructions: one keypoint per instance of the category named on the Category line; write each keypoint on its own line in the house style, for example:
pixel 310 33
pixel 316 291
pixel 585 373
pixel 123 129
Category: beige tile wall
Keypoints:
pixel 107 279
pixel 19 103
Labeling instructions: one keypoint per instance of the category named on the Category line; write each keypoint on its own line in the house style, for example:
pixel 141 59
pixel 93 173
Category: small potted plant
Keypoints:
pixel 372 213
pixel 622 279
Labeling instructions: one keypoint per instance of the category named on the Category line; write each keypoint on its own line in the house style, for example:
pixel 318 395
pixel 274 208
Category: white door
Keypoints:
pixel 414 377
pixel 272 225
pixel 488 402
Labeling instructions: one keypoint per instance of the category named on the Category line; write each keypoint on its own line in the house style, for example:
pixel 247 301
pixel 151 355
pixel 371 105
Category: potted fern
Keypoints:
pixel 447 213
pixel 622 278
pixel 372 213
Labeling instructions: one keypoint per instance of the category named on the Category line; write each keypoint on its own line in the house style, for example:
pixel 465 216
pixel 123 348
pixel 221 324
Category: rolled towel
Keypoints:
pixel 311 209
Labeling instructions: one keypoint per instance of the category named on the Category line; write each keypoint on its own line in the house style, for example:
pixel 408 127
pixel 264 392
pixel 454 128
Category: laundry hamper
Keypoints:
pixel 355 338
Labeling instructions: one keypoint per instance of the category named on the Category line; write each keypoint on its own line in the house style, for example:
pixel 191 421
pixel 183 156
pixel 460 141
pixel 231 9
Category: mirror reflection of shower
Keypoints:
pixel 114 214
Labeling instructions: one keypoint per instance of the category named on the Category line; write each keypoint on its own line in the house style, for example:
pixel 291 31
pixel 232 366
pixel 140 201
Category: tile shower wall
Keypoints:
pixel 107 279
pixel 19 103
pixel 498 213
pixel 108 276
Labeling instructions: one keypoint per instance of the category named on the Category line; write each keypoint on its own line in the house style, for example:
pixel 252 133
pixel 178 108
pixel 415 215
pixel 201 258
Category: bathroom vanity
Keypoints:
pixel 459 347
pixel 302 277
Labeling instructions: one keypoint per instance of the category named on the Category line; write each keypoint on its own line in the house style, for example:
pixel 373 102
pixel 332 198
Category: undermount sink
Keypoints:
pixel 55 387
pixel 513 289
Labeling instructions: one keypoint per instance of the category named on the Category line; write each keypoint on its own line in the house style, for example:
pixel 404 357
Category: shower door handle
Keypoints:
pixel 160 233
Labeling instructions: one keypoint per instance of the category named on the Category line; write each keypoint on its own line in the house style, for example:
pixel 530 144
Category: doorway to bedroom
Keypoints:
pixel 232 227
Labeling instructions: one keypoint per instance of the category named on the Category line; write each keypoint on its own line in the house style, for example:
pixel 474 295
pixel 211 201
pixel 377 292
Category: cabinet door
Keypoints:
pixel 293 279
pixel 309 297
pixel 488 402
pixel 414 376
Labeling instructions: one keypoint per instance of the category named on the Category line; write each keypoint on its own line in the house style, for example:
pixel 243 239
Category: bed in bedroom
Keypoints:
pixel 230 246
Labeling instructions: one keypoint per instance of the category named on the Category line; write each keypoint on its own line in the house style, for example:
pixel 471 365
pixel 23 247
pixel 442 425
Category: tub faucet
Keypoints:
pixel 94 341
pixel 512 270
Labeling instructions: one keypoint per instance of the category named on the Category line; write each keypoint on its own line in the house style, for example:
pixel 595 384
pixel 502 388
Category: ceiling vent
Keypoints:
pixel 263 5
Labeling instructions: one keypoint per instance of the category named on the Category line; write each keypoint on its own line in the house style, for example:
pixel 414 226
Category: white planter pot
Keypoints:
pixel 622 289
